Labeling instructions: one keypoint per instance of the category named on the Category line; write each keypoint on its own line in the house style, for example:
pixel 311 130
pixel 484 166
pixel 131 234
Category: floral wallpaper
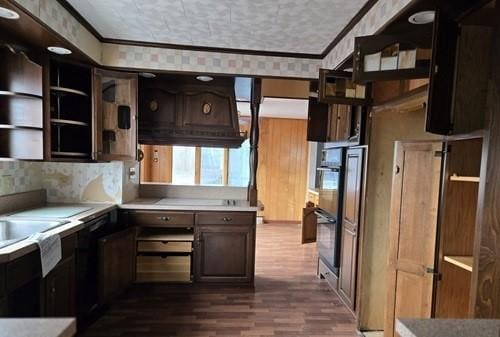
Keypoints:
pixel 207 62
pixel 71 182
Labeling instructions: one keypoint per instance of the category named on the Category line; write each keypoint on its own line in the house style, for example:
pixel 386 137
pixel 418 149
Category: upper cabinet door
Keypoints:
pixel 459 78
pixel 115 119
pixel 444 47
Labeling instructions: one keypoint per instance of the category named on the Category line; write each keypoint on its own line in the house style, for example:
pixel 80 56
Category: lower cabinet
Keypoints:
pixel 59 290
pixel 353 190
pixel 224 252
pixel 117 254
pixel 347 280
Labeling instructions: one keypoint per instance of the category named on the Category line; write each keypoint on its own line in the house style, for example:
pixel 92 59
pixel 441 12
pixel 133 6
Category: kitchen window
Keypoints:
pixel 184 165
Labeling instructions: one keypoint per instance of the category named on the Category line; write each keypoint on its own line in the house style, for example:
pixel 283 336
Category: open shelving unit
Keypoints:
pixel 70 112
pixel 165 255
pixel 21 107
pixel 457 228
pixel 464 262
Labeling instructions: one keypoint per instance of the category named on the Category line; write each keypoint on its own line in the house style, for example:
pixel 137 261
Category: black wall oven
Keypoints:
pixel 329 210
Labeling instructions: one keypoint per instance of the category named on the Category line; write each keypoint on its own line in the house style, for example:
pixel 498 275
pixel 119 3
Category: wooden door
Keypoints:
pixel 115 115
pixel 309 225
pixel 224 253
pixel 442 75
pixel 60 300
pixel 350 226
pixel 117 263
pixel 412 232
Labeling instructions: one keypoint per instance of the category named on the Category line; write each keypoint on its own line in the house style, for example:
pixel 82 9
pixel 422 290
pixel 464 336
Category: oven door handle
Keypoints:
pixel 328 169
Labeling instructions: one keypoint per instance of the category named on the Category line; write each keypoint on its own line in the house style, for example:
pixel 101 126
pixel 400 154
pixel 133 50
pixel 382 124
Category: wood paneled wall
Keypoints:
pixel 282 171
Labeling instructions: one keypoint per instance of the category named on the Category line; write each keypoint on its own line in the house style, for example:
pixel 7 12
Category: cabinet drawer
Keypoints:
pixel 165 246
pixel 229 218
pixel 160 219
pixel 329 276
pixel 163 269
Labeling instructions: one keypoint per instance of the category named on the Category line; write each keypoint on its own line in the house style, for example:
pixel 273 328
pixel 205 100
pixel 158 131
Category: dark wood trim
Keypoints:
pixel 213 49
pixel 354 21
pixel 25 14
pixel 69 7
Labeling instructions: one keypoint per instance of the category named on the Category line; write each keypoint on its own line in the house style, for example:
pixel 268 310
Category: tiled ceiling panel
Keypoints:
pixel 294 26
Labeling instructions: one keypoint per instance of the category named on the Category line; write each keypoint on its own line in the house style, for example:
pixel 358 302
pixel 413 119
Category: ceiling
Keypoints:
pixel 290 26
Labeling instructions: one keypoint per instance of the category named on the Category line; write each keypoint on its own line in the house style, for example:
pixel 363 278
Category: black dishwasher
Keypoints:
pixel 88 263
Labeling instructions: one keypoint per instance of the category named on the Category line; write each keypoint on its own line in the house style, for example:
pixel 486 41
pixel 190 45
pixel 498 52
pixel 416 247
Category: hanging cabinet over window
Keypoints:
pixel 337 87
pixel 115 115
pixel 392 57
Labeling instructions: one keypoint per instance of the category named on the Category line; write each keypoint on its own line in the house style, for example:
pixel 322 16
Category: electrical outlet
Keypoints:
pixel 7 184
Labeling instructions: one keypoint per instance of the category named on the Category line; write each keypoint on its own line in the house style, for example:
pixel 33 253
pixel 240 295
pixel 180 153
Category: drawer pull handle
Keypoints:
pixel 164 218
pixel 227 219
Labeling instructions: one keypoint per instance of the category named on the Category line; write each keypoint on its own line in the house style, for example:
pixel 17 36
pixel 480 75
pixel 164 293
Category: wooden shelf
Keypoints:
pixel 456 177
pixel 19 94
pixel 178 237
pixel 63 90
pixel 464 262
pixel 68 122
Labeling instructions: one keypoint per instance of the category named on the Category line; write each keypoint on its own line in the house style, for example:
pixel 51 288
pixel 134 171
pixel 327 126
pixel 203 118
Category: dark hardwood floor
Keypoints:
pixel 288 300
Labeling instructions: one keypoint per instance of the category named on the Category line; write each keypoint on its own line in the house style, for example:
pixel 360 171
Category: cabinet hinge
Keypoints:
pixel 442 152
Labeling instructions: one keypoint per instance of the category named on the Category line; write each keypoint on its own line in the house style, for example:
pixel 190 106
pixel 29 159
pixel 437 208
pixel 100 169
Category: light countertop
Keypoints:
pixel 448 327
pixel 180 204
pixel 37 327
pixel 75 224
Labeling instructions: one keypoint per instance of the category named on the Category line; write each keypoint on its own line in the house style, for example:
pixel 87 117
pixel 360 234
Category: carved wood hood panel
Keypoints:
pixel 183 111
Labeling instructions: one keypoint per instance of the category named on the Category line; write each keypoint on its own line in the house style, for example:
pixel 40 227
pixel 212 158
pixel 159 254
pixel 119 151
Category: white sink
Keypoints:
pixel 14 230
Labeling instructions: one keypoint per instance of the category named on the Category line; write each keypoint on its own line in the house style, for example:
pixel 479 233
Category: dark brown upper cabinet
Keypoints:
pixel 115 115
pixel 68 112
pixel 21 106
pixel 392 57
pixel 459 77
pixel 342 124
pixel 337 87
pixel 179 110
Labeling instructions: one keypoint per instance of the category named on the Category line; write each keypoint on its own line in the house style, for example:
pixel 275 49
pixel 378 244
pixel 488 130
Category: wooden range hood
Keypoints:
pixel 181 110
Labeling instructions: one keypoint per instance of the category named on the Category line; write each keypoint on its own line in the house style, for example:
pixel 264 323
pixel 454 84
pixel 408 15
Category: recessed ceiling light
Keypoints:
pixel 147 75
pixel 422 18
pixel 59 50
pixel 204 78
pixel 8 14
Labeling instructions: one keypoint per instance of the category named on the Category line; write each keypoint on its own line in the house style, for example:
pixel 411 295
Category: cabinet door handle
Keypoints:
pixel 164 218
pixel 227 219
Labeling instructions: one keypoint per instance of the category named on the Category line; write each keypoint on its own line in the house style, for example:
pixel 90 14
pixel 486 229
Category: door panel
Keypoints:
pixel 115 115
pixel 412 232
pixel 117 263
pixel 350 226
pixel 309 225
pixel 224 253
